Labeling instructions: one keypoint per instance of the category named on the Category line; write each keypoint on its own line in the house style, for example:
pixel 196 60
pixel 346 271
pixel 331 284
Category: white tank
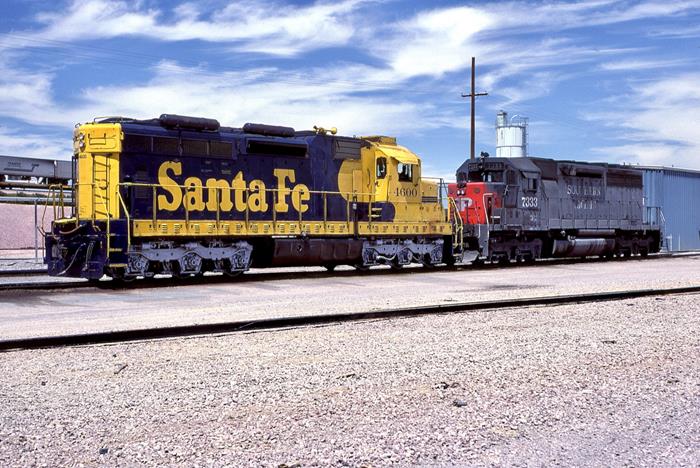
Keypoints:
pixel 511 136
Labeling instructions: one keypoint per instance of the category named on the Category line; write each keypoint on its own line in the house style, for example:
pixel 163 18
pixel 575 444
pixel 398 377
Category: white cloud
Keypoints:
pixel 660 119
pixel 23 93
pixel 433 42
pixel 255 25
pixel 264 95
pixel 635 65
pixel 522 47
pixel 280 98
pixel 35 145
pixel 559 16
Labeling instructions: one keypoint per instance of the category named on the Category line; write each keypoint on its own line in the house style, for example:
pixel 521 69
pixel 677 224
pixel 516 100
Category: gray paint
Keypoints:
pixel 572 201
pixel 35 167
pixel 672 199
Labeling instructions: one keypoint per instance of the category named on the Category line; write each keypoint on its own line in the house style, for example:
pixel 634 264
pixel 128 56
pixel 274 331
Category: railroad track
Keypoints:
pixel 122 336
pixel 265 275
pixel 23 272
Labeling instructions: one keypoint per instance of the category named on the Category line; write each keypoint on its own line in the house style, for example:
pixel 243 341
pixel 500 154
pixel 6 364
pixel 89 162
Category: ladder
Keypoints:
pixel 457 226
pixel 101 166
pixel 100 180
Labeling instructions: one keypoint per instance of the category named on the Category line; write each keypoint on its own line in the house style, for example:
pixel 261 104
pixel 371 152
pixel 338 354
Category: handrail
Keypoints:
pixel 458 224
pixel 277 193
pixel 128 221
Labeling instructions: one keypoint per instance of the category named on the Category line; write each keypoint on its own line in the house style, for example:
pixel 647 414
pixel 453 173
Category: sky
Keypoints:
pixel 599 80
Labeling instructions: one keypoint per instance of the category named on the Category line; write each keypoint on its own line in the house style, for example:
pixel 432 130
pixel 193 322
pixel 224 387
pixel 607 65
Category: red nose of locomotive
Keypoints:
pixel 476 201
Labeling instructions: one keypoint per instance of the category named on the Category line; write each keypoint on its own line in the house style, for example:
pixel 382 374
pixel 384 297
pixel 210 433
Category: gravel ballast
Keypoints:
pixel 88 310
pixel 614 383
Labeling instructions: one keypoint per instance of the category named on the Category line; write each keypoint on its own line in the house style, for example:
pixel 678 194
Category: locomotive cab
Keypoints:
pixel 480 192
pixel 499 192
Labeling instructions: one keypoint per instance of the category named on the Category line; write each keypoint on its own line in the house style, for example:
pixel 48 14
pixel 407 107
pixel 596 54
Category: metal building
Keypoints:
pixel 511 136
pixel 672 198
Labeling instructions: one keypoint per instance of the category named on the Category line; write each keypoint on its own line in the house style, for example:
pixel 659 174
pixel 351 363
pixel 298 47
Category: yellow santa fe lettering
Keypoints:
pixel 300 194
pixel 239 187
pixel 256 199
pixel 194 194
pixel 219 191
pixel 282 190
pixel 170 186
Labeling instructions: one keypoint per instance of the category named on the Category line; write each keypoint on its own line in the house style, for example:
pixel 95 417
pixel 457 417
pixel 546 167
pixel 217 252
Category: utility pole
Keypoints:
pixel 473 96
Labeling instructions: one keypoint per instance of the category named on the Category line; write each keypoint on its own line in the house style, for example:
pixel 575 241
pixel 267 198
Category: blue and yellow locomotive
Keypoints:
pixel 182 195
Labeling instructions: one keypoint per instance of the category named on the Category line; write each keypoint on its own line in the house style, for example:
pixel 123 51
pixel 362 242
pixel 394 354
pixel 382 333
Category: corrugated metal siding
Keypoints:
pixel 677 194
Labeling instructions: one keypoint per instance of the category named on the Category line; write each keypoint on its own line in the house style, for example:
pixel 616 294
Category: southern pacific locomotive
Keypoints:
pixel 530 208
pixel 181 196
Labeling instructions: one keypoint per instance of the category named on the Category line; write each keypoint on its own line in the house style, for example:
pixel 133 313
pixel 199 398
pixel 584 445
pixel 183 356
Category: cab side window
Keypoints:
pixel 405 172
pixel 381 168
pixel 531 185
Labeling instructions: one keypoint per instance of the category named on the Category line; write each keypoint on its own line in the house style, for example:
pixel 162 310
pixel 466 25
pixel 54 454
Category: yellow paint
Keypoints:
pixel 219 195
pixel 282 175
pixel 215 194
pixel 399 153
pixel 360 177
pixel 300 195
pixel 256 197
pixel 97 147
pixel 194 194
pixel 146 228
pixel 170 186
pixel 239 185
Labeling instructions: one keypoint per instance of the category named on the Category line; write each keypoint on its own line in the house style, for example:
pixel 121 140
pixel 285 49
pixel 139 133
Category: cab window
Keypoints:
pixel 531 185
pixel 493 176
pixel 381 168
pixel 405 172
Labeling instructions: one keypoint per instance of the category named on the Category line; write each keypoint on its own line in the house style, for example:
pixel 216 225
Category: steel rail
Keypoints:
pixel 122 336
pixel 24 272
pixel 263 275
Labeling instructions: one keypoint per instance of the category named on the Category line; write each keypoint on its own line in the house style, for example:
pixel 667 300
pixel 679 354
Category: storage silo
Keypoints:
pixel 511 136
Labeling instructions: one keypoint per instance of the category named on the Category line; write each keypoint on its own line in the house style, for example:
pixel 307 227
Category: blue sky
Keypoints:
pixel 600 80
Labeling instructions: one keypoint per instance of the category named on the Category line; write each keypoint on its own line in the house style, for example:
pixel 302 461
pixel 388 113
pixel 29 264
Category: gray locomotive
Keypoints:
pixel 529 208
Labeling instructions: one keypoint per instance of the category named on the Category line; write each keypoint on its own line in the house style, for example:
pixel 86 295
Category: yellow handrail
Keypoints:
pixel 128 222
pixel 349 197
pixel 458 223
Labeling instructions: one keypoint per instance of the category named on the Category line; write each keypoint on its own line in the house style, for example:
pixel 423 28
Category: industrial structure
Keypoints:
pixel 21 172
pixel 511 136
pixel 677 193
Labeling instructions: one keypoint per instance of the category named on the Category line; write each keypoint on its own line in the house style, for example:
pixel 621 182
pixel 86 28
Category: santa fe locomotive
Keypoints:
pixel 181 196
pixel 530 208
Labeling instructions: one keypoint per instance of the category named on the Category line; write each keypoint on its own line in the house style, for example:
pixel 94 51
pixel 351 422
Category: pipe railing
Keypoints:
pixel 350 199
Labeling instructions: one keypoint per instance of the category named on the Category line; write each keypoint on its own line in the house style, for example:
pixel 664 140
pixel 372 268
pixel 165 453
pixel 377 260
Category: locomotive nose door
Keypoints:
pixel 381 182
pixel 488 207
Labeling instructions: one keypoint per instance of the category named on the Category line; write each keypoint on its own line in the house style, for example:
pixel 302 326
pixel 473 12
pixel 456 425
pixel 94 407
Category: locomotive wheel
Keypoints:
pixel 330 267
pixel 118 275
pixel 234 274
pixel 395 265
pixel 360 267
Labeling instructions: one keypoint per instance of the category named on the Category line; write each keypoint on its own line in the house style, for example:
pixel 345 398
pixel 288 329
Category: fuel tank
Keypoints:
pixel 583 247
